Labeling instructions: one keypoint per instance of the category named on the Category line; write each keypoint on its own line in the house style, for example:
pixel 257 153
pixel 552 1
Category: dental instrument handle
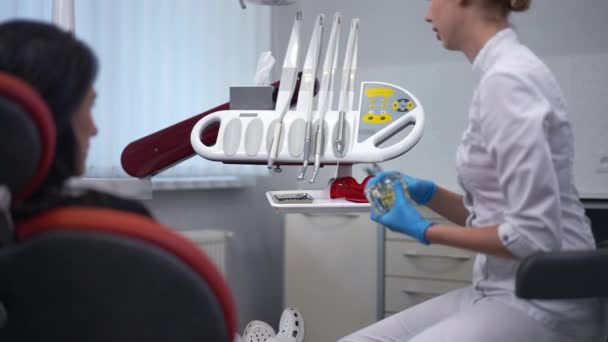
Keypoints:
pixel 282 103
pixel 309 74
pixel 274 148
pixel 347 74
pixel 315 171
pixel 340 136
pixel 326 92
pixel 306 154
pixel 351 77
pixel 287 85
pixel 318 147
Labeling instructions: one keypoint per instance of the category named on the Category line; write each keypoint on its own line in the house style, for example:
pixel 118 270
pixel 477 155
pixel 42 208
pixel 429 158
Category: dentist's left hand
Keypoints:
pixel 403 217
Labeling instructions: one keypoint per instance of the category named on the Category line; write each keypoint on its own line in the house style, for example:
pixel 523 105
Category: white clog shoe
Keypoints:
pixel 291 327
pixel 257 331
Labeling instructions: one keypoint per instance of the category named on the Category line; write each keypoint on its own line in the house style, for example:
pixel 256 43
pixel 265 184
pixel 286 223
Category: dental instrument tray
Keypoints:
pixel 342 136
pixel 321 203
pixel 246 136
pixel 290 198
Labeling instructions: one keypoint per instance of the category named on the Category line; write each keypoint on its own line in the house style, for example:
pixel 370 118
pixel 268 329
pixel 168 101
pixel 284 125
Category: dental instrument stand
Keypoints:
pixel 343 137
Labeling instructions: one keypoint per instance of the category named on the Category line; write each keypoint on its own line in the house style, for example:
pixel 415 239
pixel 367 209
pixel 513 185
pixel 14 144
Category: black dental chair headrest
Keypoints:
pixel 28 137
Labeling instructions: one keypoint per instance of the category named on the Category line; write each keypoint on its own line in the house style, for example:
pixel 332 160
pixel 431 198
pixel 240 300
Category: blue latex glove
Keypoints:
pixel 420 190
pixel 402 217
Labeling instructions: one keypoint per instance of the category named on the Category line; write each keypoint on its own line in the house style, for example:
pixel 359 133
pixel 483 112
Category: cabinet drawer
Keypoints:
pixel 402 293
pixel 412 259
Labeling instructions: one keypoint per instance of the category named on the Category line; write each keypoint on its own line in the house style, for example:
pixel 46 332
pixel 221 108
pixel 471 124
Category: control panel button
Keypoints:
pixel 381 105
pixel 379 92
pixel 403 105
pixel 382 118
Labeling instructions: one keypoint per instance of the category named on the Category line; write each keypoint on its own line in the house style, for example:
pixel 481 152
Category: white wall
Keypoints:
pixel 398 46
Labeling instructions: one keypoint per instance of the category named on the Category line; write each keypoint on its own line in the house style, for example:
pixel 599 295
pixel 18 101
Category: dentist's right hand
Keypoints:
pixel 402 217
pixel 420 190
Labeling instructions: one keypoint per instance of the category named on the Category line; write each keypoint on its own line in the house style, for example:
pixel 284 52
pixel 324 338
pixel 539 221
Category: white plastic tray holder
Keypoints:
pixel 321 203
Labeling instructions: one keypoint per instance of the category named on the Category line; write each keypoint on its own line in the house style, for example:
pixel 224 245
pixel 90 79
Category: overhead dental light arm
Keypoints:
pixel 63 14
pixel 286 88
pixel 326 92
pixel 267 2
pixel 306 95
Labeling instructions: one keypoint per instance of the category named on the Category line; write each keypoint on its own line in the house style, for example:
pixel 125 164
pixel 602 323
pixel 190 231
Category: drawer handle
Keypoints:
pixel 424 255
pixel 418 292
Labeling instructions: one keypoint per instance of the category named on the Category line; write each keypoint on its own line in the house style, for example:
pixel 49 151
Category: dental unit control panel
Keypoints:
pixel 316 133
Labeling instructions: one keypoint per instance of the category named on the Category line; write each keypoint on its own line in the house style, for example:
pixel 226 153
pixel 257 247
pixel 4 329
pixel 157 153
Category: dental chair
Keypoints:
pixel 568 274
pixel 93 274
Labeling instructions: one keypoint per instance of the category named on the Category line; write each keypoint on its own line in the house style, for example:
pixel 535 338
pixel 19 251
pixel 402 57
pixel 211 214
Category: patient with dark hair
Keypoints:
pixel 62 69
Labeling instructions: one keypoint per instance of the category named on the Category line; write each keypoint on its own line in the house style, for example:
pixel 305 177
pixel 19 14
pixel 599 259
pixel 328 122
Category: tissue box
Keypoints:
pixel 251 98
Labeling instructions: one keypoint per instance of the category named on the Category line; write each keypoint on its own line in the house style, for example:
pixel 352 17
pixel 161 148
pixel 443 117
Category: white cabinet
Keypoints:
pixel 331 272
pixel 344 273
pixel 413 272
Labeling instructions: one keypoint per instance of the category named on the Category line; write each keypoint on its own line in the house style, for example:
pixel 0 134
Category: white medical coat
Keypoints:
pixel 515 165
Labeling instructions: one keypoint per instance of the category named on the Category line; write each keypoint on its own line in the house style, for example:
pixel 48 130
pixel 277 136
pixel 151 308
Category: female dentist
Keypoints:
pixel 515 167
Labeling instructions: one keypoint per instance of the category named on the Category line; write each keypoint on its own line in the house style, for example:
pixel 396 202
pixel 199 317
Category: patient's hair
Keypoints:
pixel 62 69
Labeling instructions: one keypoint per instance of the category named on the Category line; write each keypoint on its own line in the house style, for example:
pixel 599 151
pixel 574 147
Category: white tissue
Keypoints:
pixel 264 68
